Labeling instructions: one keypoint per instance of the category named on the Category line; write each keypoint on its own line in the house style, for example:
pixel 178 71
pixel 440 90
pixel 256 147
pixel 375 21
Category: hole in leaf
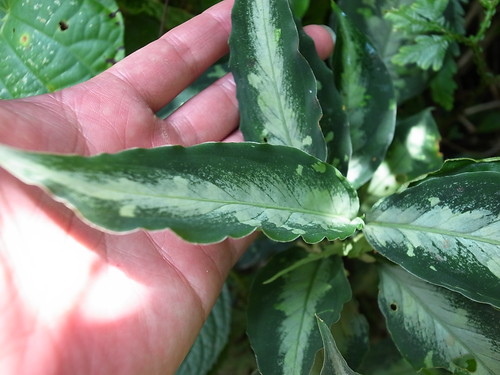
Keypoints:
pixel 63 25
pixel 394 306
pixel 264 140
pixel 113 14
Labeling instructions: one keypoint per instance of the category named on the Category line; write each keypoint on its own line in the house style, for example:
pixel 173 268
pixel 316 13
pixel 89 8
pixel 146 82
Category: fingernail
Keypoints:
pixel 331 32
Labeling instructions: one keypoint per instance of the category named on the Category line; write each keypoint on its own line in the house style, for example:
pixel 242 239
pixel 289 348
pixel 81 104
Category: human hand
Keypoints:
pixel 74 300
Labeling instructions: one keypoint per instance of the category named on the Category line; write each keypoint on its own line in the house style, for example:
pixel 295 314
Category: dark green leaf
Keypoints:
pixel 434 327
pixel 46 46
pixel 281 315
pixel 383 358
pixel 368 95
pixel 445 230
pixel 211 339
pixel 334 123
pixel 204 193
pixel 275 85
pixel 334 363
pixel 351 334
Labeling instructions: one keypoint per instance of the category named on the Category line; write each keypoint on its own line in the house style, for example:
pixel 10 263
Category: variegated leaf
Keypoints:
pixel 282 315
pixel 445 230
pixel 368 96
pixel 204 193
pixel 434 327
pixel 334 123
pixel 275 84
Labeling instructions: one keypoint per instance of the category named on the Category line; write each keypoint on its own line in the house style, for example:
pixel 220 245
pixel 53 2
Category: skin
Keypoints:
pixel 74 300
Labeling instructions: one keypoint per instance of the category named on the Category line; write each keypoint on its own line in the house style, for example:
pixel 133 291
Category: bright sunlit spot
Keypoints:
pixel 65 277
pixel 111 295
pixel 416 141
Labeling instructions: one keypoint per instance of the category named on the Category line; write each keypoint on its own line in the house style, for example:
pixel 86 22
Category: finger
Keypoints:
pixel 212 115
pixel 160 70
pixel 323 37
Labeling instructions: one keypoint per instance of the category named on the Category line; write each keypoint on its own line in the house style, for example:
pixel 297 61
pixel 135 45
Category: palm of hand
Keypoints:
pixel 76 300
pixel 111 304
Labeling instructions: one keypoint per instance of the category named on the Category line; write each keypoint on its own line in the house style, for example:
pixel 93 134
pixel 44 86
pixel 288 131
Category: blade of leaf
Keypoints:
pixel 204 193
pixel 445 230
pixel 334 363
pixel 334 123
pixel 276 88
pixel 45 48
pixel 281 315
pixel 368 95
pixel 452 167
pixel 434 327
pixel 211 339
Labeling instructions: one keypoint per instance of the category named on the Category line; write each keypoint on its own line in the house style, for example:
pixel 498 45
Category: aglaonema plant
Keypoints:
pixel 321 146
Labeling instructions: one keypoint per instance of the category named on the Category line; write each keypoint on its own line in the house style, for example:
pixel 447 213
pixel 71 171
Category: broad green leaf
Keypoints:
pixel 204 193
pixel 276 87
pixel 368 95
pixel 281 315
pixel 445 230
pixel 334 363
pixel 351 334
pixel 46 46
pixel 334 123
pixel 414 152
pixel 434 327
pixel 211 339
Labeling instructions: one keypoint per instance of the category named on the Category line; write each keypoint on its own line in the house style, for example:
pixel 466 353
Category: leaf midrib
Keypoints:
pixel 285 126
pixel 435 230
pixel 52 183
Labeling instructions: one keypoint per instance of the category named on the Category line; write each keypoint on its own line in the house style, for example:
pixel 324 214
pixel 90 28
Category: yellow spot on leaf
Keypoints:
pixel 24 39
pixel 319 167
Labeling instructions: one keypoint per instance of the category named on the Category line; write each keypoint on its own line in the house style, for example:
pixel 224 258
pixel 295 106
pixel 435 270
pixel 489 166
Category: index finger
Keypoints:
pixel 163 68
